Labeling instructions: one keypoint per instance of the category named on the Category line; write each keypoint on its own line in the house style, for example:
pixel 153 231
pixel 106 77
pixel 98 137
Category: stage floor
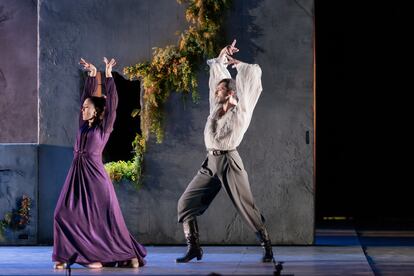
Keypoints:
pixel 337 252
pixel 243 260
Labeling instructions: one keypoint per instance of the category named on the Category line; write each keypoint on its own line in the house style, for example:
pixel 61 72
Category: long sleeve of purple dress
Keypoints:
pixel 111 105
pixel 88 220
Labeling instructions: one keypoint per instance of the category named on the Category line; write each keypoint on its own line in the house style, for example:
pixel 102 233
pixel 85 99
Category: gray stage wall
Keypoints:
pixel 18 71
pixel 275 34
pixel 18 177
pixel 18 114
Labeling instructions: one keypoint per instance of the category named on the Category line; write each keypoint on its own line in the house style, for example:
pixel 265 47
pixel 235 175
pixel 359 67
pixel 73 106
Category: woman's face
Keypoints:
pixel 88 110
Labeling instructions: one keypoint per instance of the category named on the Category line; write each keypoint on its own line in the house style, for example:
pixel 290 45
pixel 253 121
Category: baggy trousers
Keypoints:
pixel 225 170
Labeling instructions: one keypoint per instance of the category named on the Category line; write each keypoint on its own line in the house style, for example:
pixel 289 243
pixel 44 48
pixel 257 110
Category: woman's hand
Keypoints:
pixel 88 67
pixel 108 67
pixel 229 50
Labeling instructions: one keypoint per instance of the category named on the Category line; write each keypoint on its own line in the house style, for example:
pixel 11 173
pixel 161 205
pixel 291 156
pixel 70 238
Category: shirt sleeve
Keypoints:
pixel 218 71
pixel 248 86
pixel 88 90
pixel 111 105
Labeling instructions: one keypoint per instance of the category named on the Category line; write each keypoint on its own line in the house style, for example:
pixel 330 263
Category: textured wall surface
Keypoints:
pixel 275 34
pixel 69 30
pixel 55 162
pixel 18 71
pixel 18 177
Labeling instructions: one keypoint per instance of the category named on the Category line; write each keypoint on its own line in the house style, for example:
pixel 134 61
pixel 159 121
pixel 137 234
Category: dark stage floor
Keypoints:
pixel 336 252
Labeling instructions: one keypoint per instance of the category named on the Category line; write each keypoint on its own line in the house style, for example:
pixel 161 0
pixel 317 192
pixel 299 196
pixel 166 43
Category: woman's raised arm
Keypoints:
pixel 90 84
pixel 111 97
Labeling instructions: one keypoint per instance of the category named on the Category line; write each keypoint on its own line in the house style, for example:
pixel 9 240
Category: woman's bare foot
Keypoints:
pixel 59 265
pixel 134 263
pixel 94 265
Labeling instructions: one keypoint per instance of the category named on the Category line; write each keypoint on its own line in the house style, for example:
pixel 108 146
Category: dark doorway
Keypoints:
pixel 119 145
pixel 361 113
pixel 332 180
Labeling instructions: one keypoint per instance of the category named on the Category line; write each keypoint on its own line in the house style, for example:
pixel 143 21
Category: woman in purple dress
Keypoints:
pixel 89 228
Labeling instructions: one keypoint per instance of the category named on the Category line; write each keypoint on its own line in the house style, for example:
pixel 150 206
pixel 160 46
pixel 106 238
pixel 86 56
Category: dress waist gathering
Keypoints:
pixel 82 153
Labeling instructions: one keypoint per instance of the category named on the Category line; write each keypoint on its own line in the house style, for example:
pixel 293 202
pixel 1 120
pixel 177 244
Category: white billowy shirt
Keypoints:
pixel 226 132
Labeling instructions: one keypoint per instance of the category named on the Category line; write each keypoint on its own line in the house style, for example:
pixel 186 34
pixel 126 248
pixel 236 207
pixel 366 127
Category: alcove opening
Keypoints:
pixel 119 146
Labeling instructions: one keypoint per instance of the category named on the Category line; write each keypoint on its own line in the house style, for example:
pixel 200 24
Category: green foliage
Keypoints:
pixel 130 170
pixel 120 170
pixel 17 219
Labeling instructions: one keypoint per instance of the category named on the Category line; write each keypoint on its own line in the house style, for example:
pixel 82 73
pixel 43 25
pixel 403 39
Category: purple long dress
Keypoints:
pixel 88 221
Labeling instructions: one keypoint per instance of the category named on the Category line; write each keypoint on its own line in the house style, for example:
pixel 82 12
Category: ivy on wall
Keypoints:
pixel 17 219
pixel 172 68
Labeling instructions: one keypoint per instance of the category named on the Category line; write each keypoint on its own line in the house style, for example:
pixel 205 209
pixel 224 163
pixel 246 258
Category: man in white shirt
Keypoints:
pixel 231 107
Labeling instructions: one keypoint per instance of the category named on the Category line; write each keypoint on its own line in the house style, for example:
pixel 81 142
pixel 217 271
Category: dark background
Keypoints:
pixel 363 115
pixel 119 146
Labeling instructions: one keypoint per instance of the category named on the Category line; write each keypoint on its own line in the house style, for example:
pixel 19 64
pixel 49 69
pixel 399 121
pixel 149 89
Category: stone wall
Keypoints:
pixel 18 177
pixel 18 113
pixel 18 71
pixel 275 34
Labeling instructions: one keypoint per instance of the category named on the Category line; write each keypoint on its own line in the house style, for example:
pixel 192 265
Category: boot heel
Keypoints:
pixel 199 257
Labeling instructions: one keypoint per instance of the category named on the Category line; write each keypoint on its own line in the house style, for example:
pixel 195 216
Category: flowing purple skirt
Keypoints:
pixel 88 222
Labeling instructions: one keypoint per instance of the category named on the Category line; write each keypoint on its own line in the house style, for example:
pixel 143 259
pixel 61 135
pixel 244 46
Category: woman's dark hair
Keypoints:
pixel 99 104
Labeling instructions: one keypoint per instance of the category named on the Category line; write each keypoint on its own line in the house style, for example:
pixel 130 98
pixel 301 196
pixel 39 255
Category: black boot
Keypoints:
pixel 193 244
pixel 264 239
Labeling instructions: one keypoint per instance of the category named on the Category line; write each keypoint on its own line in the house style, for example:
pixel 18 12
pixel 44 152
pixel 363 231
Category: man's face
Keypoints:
pixel 222 93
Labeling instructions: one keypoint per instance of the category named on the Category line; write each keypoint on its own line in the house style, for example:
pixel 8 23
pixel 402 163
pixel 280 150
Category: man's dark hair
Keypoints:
pixel 230 84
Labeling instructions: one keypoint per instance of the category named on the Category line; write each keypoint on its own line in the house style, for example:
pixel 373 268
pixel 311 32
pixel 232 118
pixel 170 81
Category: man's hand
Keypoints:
pixel 232 61
pixel 88 67
pixel 108 67
pixel 229 50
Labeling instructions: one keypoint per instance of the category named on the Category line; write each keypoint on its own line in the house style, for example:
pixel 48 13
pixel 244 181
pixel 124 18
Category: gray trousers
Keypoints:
pixel 225 170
